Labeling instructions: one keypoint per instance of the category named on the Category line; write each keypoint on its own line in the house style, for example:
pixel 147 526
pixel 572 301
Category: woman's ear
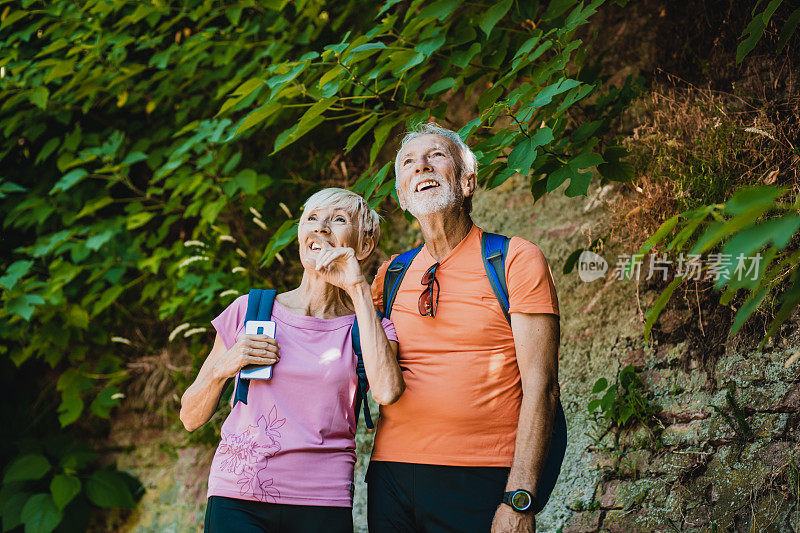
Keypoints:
pixel 367 245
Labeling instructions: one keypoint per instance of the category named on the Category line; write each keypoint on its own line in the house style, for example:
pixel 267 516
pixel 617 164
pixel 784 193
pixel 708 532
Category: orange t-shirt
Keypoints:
pixel 463 390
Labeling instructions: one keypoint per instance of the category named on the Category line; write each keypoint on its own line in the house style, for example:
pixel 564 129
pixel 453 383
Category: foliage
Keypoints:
pixel 735 417
pixel 755 30
pixel 753 240
pixel 41 488
pixel 621 405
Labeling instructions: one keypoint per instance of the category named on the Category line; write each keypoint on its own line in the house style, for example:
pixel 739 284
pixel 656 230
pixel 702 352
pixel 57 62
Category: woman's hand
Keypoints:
pixel 261 350
pixel 339 266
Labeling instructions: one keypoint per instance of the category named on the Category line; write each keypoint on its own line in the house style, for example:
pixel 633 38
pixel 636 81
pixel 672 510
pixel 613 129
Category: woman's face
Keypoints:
pixel 331 225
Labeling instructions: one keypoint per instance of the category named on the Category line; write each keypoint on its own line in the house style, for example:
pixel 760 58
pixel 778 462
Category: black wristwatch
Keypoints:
pixel 519 500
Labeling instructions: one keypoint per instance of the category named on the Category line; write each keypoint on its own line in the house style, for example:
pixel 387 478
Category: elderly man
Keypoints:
pixel 463 449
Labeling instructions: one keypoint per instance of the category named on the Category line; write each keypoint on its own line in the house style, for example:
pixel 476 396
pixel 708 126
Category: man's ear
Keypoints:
pixel 469 182
pixel 367 245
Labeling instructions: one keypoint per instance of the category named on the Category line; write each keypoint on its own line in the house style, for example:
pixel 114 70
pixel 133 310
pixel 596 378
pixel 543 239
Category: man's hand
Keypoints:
pixel 507 520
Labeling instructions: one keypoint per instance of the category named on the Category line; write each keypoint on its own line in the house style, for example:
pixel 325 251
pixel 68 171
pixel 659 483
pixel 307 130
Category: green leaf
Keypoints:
pixel 93 206
pixel 24 305
pixel 653 313
pixel 788 29
pixel 779 231
pixel 614 169
pixel 316 110
pixel 40 514
pixel 248 87
pixel 429 46
pixel 63 489
pixel 600 385
pixel 440 85
pixel 105 401
pixel 39 96
pixel 280 240
pixel 11 18
pixel 27 467
pixel 492 16
pixel 106 488
pixel 789 302
pixel 522 156
pixel 747 309
pixel 137 220
pixel 255 117
pixel 11 509
pixel 70 179
pixel 593 405
pixel 108 297
pixel 364 48
pixel 381 134
pixel 755 30
pixel 14 272
pixel 579 181
pixel 70 408
pixel 47 149
pixel 746 200
pixel 134 157
pixel 571 261
pixel 362 130
pixel 440 10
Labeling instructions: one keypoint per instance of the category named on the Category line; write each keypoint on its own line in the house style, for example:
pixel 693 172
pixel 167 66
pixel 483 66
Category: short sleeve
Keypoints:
pixel 230 320
pixel 388 327
pixel 530 282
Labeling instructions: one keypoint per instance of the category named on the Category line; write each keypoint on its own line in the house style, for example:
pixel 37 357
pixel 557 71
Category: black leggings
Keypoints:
pixel 244 516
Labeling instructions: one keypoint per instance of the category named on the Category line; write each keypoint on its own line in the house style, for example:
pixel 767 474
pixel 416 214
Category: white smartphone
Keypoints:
pixel 258 327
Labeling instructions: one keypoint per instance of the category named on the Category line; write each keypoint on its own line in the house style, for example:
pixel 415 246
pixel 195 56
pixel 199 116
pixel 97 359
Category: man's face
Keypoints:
pixel 428 178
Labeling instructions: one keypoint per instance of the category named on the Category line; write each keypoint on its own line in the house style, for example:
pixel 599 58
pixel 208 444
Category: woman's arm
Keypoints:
pixel 202 397
pixel 379 353
pixel 341 268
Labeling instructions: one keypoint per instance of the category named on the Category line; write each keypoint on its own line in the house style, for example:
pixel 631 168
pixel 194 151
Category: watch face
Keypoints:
pixel 521 500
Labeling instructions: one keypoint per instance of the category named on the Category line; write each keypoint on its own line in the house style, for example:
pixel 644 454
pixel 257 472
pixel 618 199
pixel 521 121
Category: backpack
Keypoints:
pixel 494 249
pixel 259 307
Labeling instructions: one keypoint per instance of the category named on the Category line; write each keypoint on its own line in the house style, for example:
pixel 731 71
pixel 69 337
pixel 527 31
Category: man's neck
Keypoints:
pixel 443 231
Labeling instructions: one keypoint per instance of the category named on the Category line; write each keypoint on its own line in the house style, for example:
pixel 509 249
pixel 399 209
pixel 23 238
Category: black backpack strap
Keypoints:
pixel 363 384
pixel 494 248
pixel 394 276
pixel 259 307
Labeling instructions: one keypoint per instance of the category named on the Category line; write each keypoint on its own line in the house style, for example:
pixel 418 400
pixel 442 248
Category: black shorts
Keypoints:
pixel 407 497
pixel 225 515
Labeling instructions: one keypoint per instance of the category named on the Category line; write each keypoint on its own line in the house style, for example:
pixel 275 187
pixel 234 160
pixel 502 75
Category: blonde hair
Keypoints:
pixel 367 219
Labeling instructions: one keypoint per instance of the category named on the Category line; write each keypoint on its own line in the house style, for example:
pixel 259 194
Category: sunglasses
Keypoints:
pixel 429 298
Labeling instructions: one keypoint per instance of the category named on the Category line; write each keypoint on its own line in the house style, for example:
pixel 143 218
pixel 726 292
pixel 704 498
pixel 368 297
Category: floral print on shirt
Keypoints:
pixel 247 454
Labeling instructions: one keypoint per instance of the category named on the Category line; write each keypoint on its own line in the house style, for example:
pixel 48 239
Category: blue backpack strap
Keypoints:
pixel 363 384
pixel 259 307
pixel 494 248
pixel 394 276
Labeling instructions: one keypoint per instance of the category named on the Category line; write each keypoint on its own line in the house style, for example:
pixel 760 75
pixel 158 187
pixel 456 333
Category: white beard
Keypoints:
pixel 432 201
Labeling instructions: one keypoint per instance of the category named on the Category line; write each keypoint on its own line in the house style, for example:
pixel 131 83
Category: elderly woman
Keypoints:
pixel 286 457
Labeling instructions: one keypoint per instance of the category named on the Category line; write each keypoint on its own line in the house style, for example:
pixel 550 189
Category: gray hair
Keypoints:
pixel 468 162
pixel 367 219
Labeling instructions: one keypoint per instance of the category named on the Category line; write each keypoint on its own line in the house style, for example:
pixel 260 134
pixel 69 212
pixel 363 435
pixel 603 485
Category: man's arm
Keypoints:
pixel 536 338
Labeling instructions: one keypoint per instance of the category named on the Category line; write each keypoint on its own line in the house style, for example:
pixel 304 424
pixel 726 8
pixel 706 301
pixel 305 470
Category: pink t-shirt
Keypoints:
pixel 294 441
